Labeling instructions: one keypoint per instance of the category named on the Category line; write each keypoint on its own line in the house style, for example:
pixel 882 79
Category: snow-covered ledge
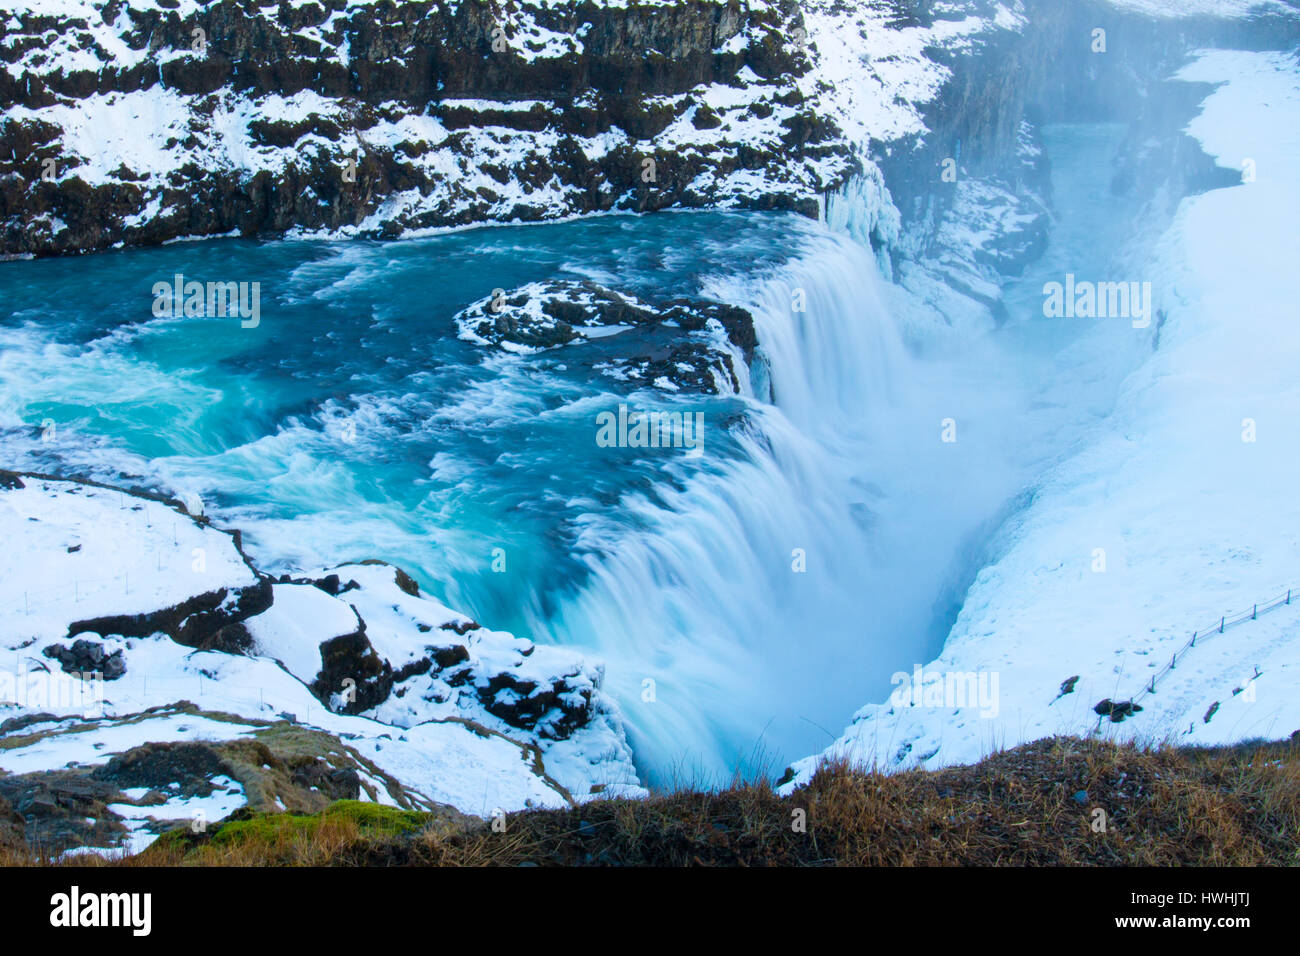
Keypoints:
pixel 132 622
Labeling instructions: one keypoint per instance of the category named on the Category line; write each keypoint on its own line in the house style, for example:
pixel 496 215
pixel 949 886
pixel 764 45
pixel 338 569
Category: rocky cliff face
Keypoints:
pixel 132 122
pixel 139 121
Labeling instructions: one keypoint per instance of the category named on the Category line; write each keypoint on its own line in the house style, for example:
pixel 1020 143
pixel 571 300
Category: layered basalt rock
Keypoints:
pixel 376 119
pixel 352 678
pixel 212 620
pixel 556 709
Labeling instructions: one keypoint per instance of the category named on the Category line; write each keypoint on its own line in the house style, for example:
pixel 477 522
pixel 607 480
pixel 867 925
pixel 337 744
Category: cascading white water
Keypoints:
pixel 723 655
pixel 754 663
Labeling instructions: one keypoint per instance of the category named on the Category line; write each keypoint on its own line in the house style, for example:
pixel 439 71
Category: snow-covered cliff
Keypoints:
pixel 137 122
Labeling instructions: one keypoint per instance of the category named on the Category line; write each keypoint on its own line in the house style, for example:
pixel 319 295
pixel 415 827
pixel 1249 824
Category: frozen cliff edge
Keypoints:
pixel 344 683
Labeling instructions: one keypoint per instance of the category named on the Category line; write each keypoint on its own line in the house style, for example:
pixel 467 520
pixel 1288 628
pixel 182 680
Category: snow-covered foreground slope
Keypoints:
pixel 1181 510
pixel 429 707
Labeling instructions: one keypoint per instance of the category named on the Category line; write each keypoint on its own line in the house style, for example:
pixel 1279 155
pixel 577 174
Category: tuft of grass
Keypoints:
pixel 376 818
pixel 370 819
pixel 250 839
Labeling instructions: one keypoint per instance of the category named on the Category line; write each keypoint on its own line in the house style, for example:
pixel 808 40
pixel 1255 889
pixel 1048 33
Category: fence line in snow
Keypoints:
pixel 1223 624
pixel 35 598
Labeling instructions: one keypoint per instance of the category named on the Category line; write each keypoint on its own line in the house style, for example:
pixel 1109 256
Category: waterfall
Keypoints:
pixel 754 609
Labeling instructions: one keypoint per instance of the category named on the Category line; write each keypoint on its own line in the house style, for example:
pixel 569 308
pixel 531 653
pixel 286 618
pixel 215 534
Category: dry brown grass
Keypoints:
pixel 1163 807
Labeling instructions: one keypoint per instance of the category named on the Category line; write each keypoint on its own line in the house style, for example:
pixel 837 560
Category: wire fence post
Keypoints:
pixel 1221 620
